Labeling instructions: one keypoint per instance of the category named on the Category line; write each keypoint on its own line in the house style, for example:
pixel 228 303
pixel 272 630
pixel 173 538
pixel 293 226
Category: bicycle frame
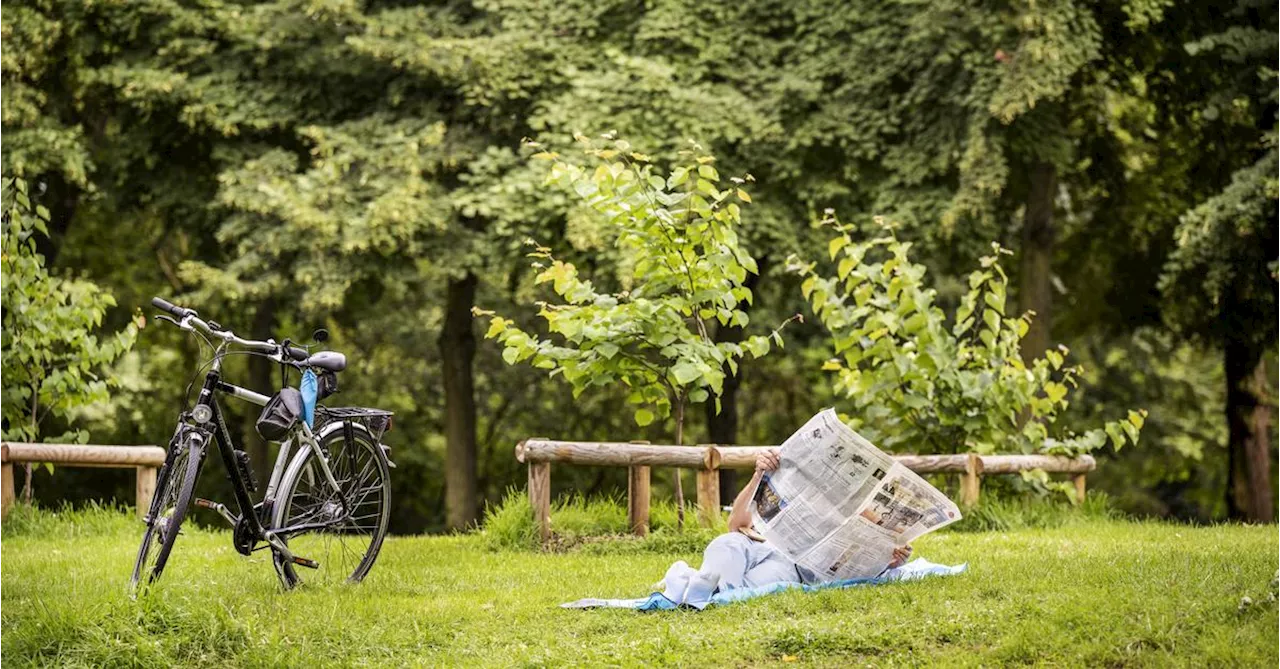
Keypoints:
pixel 302 434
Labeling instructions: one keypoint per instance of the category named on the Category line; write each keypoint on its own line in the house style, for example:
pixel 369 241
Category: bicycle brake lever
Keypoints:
pixel 162 317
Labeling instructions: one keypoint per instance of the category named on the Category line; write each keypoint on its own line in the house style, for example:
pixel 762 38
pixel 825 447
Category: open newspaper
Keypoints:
pixel 838 506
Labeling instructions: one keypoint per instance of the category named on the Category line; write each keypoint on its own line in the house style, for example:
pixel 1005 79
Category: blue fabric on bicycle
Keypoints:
pixel 918 568
pixel 309 388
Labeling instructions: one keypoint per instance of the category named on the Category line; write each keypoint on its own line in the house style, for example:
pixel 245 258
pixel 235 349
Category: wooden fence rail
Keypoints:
pixel 706 459
pixel 146 460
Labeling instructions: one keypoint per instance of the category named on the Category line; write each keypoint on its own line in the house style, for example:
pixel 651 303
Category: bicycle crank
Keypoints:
pixel 222 510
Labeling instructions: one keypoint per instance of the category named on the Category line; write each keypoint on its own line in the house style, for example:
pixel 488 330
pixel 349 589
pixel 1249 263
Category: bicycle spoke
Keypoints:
pixel 355 513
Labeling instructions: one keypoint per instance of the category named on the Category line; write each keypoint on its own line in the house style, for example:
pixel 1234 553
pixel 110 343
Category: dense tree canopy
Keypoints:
pixel 358 165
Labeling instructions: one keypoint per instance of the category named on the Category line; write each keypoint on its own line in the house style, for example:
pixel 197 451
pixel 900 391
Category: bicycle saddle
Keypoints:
pixel 330 360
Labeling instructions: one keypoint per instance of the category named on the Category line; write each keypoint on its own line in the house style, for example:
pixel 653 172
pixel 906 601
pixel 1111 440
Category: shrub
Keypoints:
pixel 916 380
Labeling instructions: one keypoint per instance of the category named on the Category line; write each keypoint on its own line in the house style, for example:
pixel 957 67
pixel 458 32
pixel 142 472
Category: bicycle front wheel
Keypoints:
pixel 175 493
pixel 348 524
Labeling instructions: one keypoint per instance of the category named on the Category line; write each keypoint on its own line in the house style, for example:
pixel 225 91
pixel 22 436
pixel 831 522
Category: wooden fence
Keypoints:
pixel 145 459
pixel 706 460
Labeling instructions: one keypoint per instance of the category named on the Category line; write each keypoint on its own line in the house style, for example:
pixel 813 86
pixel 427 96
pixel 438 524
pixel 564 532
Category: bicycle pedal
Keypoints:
pixel 206 503
pixel 310 564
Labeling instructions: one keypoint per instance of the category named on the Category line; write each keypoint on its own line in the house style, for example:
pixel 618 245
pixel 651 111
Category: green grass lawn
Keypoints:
pixel 1090 593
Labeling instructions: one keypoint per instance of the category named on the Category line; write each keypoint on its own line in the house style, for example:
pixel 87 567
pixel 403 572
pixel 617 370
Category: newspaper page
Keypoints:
pixel 838 506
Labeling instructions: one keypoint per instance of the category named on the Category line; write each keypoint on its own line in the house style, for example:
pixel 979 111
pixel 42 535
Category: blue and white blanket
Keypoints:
pixel 918 568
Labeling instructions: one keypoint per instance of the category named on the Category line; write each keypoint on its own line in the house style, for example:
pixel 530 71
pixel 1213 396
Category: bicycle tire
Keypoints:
pixel 168 525
pixel 298 502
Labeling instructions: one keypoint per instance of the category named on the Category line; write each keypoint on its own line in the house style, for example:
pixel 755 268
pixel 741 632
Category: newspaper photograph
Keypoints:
pixel 838 506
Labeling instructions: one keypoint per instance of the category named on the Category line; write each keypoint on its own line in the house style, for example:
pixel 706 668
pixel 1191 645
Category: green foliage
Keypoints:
pixel 1176 472
pixel 915 382
pixel 55 360
pixel 282 163
pixel 1219 280
pixel 678 237
pixel 39 142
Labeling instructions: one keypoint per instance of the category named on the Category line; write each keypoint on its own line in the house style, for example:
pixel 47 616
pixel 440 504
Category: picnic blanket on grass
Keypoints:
pixel 917 568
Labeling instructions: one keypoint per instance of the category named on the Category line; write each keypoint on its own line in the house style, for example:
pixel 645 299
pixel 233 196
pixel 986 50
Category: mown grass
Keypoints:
pixel 1089 592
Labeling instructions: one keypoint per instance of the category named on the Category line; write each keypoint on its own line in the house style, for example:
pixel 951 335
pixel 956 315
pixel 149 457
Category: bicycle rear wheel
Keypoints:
pixel 350 535
pixel 175 495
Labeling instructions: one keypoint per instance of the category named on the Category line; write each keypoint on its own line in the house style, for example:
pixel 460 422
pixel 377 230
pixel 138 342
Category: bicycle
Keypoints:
pixel 329 499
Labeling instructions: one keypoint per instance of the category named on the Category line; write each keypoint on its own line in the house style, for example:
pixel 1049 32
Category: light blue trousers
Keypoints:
pixel 740 562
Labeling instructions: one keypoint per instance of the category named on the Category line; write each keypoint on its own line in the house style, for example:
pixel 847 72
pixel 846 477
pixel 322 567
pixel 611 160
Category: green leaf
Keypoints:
pixel 992 319
pixel 708 172
pixel 643 417
pixel 684 372
pixel 742 195
pixel 994 301
pixel 846 265
pixel 1116 434
pixel 1055 392
pixel 758 346
pixel 837 243
pixel 496 327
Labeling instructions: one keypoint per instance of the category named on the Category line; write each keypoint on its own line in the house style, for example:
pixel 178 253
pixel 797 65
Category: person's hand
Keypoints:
pixel 900 555
pixel 768 460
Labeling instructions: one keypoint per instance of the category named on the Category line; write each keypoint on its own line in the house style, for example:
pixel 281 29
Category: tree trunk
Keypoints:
pixel 1248 427
pixel 1035 286
pixel 35 436
pixel 62 200
pixel 457 350
pixel 261 380
pixel 722 428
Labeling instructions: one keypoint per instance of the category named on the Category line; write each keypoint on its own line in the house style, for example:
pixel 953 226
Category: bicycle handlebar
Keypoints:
pixel 165 305
pixel 188 317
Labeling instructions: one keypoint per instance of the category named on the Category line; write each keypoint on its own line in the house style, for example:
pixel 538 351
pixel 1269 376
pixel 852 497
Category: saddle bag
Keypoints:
pixel 280 414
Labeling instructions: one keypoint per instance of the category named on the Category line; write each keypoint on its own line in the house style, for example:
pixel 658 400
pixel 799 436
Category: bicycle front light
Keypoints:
pixel 202 413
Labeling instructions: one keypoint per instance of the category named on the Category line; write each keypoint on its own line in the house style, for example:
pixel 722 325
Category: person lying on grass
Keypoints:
pixel 742 558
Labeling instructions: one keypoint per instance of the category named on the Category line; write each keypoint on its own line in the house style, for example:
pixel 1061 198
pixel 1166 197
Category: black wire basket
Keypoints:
pixel 376 421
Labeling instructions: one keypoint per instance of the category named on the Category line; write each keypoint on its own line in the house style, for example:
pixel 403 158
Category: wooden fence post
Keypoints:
pixel 971 480
pixel 638 500
pixel 7 495
pixel 1078 479
pixel 708 497
pixel 638 496
pixel 540 498
pixel 146 489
